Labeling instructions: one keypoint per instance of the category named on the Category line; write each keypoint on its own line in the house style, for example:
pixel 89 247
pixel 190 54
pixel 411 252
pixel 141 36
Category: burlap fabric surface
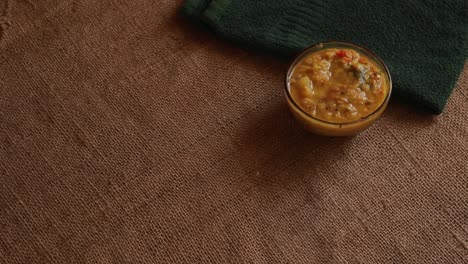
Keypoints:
pixel 130 136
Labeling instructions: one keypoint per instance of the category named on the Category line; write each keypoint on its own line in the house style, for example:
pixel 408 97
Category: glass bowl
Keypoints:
pixel 327 128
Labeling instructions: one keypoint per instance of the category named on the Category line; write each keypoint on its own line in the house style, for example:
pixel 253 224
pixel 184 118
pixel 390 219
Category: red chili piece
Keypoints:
pixel 341 53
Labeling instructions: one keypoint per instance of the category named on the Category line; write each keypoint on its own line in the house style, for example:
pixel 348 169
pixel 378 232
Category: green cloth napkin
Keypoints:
pixel 423 42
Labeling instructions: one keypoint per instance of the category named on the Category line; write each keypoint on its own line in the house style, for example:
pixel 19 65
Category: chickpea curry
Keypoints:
pixel 338 85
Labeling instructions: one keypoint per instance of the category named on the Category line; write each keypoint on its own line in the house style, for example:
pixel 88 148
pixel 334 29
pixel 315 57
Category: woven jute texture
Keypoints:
pixel 128 135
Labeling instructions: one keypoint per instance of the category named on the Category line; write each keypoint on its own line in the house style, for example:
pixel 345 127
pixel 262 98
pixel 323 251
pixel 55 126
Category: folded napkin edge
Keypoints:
pixel 195 8
pixel 214 11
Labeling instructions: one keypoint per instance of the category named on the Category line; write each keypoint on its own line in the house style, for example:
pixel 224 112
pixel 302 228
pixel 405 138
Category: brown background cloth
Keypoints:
pixel 130 136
